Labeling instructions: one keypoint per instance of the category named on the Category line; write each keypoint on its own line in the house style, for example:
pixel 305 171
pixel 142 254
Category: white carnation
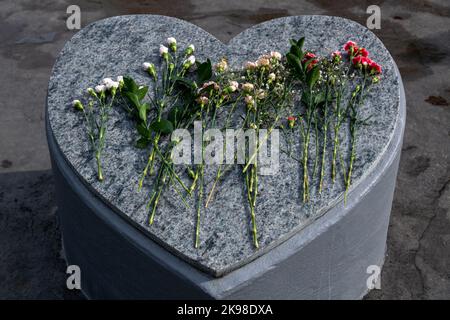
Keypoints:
pixel 163 50
pixel 171 41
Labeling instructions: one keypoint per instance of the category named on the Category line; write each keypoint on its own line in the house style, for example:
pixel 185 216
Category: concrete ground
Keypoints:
pixel 416 32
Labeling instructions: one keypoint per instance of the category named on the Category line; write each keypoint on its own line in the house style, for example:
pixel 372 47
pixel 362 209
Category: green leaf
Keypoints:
pixel 129 84
pixel 143 112
pixel 142 92
pixel 186 83
pixel 296 51
pixel 301 42
pixel 142 143
pixel 204 71
pixel 295 63
pixel 143 130
pixel 164 126
pixel 133 98
pixel 312 76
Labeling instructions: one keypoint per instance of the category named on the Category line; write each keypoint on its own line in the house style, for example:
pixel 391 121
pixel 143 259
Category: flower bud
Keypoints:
pixel 91 92
pixel 150 68
pixel 188 62
pixel 202 100
pixel 234 85
pixel 271 77
pixel 249 101
pixel 77 105
pixel 291 121
pixel 189 50
pixel 191 173
pixel 221 66
pixel 164 52
pixel 172 43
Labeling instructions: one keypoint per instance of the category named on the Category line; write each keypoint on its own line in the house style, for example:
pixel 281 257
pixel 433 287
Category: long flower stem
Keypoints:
pixel 324 148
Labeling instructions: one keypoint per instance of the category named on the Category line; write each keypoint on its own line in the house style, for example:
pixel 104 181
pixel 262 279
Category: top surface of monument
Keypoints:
pixel 118 46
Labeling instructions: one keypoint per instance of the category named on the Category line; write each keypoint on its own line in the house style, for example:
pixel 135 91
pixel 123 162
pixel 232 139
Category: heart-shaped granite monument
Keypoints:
pixel 119 45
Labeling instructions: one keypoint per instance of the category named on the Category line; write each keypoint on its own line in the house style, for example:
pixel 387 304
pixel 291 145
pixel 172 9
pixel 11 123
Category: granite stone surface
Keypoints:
pixel 119 45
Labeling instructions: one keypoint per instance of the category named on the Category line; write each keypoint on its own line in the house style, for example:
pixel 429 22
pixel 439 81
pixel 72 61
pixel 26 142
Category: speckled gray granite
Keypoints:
pixel 119 45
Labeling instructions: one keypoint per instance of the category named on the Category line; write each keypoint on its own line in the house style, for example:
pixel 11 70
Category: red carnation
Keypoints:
pixel 375 67
pixel 360 60
pixel 291 121
pixel 362 52
pixel 309 56
pixel 350 45
pixel 336 54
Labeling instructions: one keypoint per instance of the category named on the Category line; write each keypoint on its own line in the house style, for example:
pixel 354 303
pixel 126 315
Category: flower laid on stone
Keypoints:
pixel 324 83
pixel 96 113
pixel 266 98
pixel 368 72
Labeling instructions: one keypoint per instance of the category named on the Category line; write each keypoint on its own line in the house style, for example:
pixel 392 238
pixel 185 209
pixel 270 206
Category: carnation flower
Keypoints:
pixel 164 52
pixel 189 62
pixel 359 61
pixel 249 101
pixel 234 85
pixel 262 62
pixel 202 100
pixel 336 56
pixel 250 65
pixel 189 50
pixel 150 68
pixel 222 65
pixel 362 52
pixel 309 56
pixel 106 81
pixel 374 67
pixel 247 87
pixel 271 77
pixel 291 121
pixel 172 43
pixel 211 84
pixel 350 46
pixel 100 88
pixel 261 94
pixel 120 79
pixel 112 85
pixel 91 92
pixel 275 54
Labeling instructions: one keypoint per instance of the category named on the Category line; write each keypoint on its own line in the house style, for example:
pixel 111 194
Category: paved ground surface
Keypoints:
pixel 417 33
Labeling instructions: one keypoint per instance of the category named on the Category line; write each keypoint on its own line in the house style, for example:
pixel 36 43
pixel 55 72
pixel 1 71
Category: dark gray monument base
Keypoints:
pixel 328 259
